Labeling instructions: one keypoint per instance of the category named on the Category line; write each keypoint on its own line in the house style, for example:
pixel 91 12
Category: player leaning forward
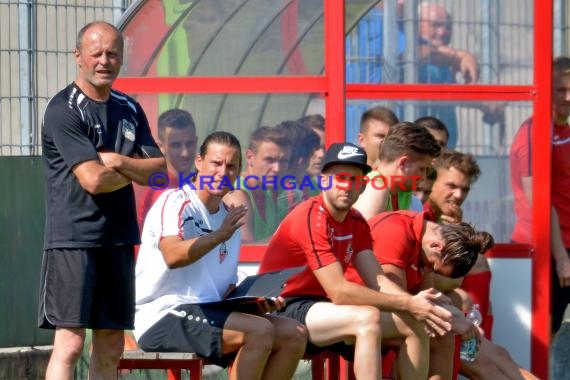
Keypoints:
pixel 188 261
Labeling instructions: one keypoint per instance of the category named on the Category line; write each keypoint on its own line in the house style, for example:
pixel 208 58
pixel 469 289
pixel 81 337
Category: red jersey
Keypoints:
pixel 429 211
pixel 397 239
pixel 310 236
pixel 520 162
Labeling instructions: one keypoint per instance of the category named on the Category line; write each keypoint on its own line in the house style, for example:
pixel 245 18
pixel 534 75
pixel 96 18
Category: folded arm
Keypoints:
pixel 136 169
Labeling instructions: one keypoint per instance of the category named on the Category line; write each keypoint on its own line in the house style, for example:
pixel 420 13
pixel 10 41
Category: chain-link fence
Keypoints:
pixel 36 41
pixel 37 37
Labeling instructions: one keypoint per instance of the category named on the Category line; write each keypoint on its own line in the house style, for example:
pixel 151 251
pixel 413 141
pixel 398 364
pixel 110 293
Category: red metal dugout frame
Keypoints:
pixel 332 85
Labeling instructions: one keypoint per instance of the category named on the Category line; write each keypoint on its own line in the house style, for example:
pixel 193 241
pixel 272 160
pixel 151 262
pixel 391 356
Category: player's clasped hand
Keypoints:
pixel 435 319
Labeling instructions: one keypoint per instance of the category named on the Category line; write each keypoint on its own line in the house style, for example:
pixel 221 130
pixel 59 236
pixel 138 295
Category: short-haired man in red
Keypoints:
pixel 521 181
pixel 326 234
pixel 177 141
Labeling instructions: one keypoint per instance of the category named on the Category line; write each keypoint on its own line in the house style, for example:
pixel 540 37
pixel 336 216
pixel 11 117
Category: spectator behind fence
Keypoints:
pixel 521 182
pixel 441 62
pixel 177 141
pixel 405 156
pixel 188 263
pixel 326 234
pixel 267 161
pixel 438 61
pixel 96 141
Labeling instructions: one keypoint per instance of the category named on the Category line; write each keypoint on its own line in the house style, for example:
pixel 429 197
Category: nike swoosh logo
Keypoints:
pixel 342 155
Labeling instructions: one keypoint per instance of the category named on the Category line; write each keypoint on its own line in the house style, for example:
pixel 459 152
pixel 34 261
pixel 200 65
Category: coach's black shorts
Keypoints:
pixel 190 328
pixel 88 287
pixel 297 309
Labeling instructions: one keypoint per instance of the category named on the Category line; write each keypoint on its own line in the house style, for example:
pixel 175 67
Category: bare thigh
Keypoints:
pixel 328 323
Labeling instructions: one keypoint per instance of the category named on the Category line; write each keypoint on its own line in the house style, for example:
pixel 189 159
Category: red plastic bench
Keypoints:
pixel 325 366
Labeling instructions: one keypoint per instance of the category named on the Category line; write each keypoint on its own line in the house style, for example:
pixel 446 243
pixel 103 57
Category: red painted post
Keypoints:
pixel 334 71
pixel 541 152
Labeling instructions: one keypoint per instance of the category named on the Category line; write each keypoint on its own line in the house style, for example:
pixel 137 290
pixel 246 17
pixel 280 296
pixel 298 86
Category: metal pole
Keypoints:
pixel 410 60
pixel 25 63
pixel 558 32
pixel 390 43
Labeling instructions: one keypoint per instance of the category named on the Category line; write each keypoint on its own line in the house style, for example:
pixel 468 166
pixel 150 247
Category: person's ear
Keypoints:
pixel 198 163
pixel 249 154
pixel 403 164
pixel 436 245
pixel 77 56
pixel 360 139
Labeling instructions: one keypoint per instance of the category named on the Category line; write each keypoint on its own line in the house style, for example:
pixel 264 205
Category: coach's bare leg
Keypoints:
pixel 288 348
pixel 328 323
pixel 413 342
pixel 67 348
pixel 252 337
pixel 108 346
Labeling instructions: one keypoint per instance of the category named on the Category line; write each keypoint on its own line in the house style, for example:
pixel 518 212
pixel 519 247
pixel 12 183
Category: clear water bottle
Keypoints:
pixel 469 348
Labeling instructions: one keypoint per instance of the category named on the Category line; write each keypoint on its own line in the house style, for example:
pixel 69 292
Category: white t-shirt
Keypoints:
pixel 179 212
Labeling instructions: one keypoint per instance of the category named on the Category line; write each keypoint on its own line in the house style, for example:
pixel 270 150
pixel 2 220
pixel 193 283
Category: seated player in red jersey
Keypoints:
pixel 326 234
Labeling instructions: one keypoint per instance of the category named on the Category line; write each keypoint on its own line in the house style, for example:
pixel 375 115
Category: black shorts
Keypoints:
pixel 560 297
pixel 190 328
pixel 89 288
pixel 297 309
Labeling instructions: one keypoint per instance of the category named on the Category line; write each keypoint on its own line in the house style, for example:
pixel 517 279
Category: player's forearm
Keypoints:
pixel 440 55
pixel 139 170
pixel 96 178
pixel 557 245
pixel 355 294
pixel 180 253
pixel 111 180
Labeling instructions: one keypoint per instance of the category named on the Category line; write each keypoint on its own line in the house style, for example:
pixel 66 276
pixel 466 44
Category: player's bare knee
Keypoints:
pixel 262 336
pixel 291 334
pixel 409 326
pixel 108 343
pixel 367 321
pixel 70 352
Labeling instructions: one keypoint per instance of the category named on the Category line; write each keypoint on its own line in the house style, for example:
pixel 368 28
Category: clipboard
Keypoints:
pixel 264 285
pixel 253 290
